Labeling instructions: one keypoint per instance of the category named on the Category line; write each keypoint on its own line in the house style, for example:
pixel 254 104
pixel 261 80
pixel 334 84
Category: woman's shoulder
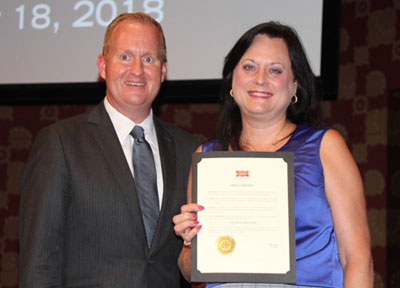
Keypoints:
pixel 307 129
pixel 306 134
pixel 327 135
pixel 334 140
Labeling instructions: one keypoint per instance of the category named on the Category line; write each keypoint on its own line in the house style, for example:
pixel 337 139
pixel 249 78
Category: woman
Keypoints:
pixel 269 104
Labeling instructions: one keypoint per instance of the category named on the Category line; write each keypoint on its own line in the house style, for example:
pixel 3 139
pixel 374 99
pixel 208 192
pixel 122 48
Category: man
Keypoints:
pixel 82 224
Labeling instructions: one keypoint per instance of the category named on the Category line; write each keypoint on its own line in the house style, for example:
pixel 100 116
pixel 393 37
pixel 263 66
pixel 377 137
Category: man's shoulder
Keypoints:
pixel 173 130
pixel 74 122
pixel 66 124
pixel 183 140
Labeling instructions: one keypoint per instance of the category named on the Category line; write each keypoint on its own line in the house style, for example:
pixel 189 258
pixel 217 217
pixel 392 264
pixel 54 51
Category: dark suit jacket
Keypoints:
pixel 80 220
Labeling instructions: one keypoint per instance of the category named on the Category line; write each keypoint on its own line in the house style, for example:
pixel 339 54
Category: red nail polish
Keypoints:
pixel 194 216
pixel 196 222
pixel 198 227
pixel 201 207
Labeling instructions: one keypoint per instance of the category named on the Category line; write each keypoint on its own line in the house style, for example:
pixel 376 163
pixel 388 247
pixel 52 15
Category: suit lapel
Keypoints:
pixel 101 128
pixel 168 166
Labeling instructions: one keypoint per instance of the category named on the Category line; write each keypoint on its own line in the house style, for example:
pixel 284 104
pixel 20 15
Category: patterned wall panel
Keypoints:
pixel 18 126
pixel 369 61
pixel 393 207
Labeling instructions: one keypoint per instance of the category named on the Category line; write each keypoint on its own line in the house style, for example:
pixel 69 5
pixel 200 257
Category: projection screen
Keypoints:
pixel 57 42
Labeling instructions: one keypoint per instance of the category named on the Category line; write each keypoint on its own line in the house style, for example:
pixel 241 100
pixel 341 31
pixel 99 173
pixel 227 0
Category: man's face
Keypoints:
pixel 132 69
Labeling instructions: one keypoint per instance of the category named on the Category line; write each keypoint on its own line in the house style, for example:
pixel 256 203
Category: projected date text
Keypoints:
pixel 88 13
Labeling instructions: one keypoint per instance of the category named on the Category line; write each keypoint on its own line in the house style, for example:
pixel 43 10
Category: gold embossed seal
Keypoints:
pixel 225 245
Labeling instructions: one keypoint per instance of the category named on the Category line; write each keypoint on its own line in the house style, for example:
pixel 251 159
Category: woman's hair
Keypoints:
pixel 305 111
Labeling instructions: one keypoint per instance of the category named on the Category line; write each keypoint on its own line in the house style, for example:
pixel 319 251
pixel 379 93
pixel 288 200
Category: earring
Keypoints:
pixel 231 93
pixel 294 99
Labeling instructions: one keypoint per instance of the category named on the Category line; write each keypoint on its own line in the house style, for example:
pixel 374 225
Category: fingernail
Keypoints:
pixel 194 216
pixel 201 207
pixel 196 222
pixel 198 227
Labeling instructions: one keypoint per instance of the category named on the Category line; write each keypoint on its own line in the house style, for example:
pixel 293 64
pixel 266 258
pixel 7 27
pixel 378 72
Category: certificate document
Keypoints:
pixel 248 224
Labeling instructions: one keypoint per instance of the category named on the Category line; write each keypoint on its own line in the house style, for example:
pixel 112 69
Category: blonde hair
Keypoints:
pixel 140 18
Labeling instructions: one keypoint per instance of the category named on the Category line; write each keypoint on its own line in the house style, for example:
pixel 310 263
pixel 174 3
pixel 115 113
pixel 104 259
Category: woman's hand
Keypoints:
pixel 186 224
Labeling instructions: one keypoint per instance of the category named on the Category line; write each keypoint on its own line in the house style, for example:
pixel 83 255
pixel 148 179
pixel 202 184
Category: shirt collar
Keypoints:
pixel 123 125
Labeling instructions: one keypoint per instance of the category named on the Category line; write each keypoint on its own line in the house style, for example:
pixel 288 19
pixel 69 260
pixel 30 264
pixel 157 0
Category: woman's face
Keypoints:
pixel 263 82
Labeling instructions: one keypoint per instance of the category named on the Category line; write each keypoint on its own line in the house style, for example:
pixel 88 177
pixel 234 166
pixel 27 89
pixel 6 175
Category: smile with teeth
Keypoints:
pixel 136 84
pixel 263 94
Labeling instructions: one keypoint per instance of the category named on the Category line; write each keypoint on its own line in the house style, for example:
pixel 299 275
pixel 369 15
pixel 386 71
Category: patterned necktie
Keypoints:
pixel 146 181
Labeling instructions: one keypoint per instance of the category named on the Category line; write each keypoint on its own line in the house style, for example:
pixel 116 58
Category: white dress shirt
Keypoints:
pixel 123 127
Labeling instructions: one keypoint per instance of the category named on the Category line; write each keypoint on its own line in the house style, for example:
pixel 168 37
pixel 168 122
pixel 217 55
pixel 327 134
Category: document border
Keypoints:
pixel 290 277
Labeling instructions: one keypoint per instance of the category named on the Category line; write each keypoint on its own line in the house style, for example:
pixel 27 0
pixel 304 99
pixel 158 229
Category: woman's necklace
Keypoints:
pixel 285 137
pixel 279 140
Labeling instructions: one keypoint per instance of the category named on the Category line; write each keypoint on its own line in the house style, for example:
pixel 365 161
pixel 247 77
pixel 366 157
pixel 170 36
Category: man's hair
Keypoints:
pixel 139 18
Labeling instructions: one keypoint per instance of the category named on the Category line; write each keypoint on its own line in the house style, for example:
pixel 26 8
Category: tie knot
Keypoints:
pixel 138 133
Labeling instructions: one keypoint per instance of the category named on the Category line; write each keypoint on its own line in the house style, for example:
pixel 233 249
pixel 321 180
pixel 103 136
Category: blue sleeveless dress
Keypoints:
pixel 317 254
